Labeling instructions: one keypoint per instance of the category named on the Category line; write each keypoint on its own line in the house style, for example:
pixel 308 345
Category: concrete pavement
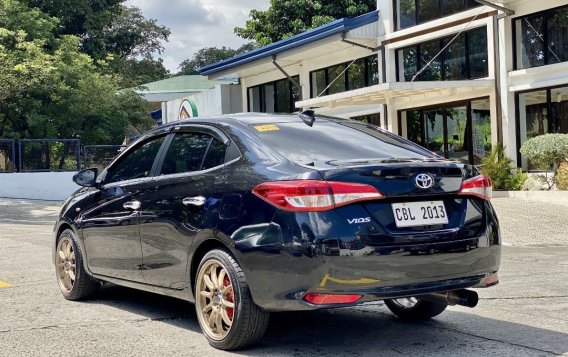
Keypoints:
pixel 526 315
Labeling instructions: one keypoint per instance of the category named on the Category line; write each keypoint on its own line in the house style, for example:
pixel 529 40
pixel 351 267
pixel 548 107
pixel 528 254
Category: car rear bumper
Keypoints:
pixel 278 279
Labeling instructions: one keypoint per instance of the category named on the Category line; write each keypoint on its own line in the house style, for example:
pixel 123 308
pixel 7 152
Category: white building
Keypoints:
pixel 456 76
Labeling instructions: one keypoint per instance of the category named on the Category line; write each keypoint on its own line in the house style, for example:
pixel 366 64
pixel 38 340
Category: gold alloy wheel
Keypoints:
pixel 215 301
pixel 66 264
pixel 406 303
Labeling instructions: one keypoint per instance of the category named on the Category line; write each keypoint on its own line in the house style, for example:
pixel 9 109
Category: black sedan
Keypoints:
pixel 248 214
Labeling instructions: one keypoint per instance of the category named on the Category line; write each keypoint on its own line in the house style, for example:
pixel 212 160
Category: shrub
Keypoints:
pixel 547 152
pixel 562 176
pixel 497 166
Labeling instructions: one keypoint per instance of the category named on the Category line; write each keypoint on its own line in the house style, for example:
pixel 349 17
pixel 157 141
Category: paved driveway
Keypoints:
pixel 526 315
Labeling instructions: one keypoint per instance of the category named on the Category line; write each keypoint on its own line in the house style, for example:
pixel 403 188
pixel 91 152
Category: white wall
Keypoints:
pixel 223 99
pixel 48 186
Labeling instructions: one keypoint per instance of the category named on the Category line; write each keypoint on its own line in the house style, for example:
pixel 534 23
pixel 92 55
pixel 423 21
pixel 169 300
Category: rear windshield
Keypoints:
pixel 335 142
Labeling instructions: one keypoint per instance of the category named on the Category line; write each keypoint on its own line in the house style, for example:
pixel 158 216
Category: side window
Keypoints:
pixel 215 156
pixel 136 164
pixel 192 152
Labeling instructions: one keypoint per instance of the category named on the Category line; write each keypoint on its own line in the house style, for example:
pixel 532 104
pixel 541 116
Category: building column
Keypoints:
pixel 244 93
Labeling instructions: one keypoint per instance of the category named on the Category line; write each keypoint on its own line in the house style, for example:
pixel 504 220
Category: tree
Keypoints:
pixel 287 18
pixel 113 33
pixel 209 55
pixel 49 89
pixel 133 72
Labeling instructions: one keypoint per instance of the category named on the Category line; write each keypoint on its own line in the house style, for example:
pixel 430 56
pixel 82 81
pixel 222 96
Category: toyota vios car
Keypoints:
pixel 249 214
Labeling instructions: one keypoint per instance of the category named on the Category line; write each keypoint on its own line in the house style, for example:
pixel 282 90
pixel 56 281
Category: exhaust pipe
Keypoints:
pixel 461 297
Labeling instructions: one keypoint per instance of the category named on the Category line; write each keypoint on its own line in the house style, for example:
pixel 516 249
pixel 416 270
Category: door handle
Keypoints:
pixel 132 205
pixel 197 201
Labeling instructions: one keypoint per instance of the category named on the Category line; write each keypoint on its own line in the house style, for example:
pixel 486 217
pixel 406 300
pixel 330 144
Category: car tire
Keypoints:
pixel 413 309
pixel 74 282
pixel 228 316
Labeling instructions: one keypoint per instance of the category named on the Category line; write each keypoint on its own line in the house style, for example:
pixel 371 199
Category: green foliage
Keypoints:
pixel 210 55
pixel 287 18
pixel 562 176
pixel 546 151
pixel 497 166
pixel 50 89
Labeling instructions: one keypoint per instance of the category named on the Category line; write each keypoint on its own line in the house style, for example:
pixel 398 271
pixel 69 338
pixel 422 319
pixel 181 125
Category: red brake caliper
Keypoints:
pixel 230 297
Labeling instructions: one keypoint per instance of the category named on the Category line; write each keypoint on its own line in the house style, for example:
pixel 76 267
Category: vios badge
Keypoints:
pixel 424 181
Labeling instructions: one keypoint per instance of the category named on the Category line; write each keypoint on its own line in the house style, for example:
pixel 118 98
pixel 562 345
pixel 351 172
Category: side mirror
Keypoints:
pixel 86 178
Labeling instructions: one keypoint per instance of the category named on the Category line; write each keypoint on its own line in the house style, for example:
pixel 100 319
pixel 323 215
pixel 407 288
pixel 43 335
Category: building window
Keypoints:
pixel 415 12
pixel 274 97
pixel 364 72
pixel 541 38
pixel 465 58
pixel 541 112
pixel 460 132
pixel 373 119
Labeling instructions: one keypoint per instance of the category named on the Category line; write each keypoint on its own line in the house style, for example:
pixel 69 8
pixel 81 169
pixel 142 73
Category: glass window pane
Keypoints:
pixel 254 99
pixel 268 105
pixel 559 117
pixel 373 64
pixel 432 71
pixel 407 63
pixel 215 155
pixel 428 10
pixel 356 77
pixel 455 64
pixel 186 153
pixel 481 133
pixel 137 164
pixel 459 140
pixel 336 76
pixel 296 93
pixel 478 57
pixel 283 96
pixel 530 41
pixel 558 36
pixel 414 126
pixel 533 112
pixel 450 7
pixel 406 13
pixel 318 83
pixel 434 131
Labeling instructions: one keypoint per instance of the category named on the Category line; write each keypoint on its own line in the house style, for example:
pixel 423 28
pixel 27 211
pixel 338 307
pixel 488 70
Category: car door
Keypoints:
pixel 184 202
pixel 110 227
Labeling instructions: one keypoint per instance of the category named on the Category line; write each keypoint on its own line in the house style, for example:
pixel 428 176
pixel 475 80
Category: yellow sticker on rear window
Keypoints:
pixel 263 128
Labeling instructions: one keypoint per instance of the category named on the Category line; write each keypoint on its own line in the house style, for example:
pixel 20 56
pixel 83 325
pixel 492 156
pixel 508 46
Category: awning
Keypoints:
pixel 363 30
pixel 403 94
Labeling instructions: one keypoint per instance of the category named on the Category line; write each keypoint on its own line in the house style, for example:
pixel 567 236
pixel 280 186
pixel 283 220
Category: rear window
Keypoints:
pixel 332 141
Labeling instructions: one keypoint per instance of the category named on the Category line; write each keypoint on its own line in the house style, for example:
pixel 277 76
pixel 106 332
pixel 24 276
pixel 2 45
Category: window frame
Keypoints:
pixel 442 58
pixel 549 105
pixel 129 151
pixel 262 95
pixel 396 7
pixel 517 41
pixel 212 131
pixel 346 85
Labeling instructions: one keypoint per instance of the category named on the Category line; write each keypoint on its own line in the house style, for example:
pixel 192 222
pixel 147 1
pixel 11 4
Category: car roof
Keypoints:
pixel 243 118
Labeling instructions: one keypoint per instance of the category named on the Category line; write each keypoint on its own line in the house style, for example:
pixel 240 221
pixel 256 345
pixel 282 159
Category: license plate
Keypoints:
pixel 413 214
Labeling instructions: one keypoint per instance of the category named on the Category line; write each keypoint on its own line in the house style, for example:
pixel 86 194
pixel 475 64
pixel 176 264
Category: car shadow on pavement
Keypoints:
pixel 362 330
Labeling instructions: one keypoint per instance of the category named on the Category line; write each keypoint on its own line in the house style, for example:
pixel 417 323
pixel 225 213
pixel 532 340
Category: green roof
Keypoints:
pixel 181 84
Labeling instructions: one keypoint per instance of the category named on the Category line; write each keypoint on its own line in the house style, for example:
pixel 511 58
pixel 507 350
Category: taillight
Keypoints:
pixel 479 186
pixel 314 195
pixel 330 299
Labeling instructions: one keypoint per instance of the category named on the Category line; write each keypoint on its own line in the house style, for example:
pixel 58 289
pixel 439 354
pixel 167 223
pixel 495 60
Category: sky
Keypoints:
pixel 198 23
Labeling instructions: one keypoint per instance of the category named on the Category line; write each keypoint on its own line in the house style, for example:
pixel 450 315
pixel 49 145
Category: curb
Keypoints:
pixel 555 197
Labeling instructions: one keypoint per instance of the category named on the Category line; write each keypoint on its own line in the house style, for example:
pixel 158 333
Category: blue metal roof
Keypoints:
pixel 330 29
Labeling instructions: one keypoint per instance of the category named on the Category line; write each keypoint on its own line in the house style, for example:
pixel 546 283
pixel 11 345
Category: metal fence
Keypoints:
pixel 99 156
pixel 53 155
pixel 44 155
pixel 7 155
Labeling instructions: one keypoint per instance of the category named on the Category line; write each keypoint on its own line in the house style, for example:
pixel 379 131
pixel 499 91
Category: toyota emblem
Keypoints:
pixel 424 181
